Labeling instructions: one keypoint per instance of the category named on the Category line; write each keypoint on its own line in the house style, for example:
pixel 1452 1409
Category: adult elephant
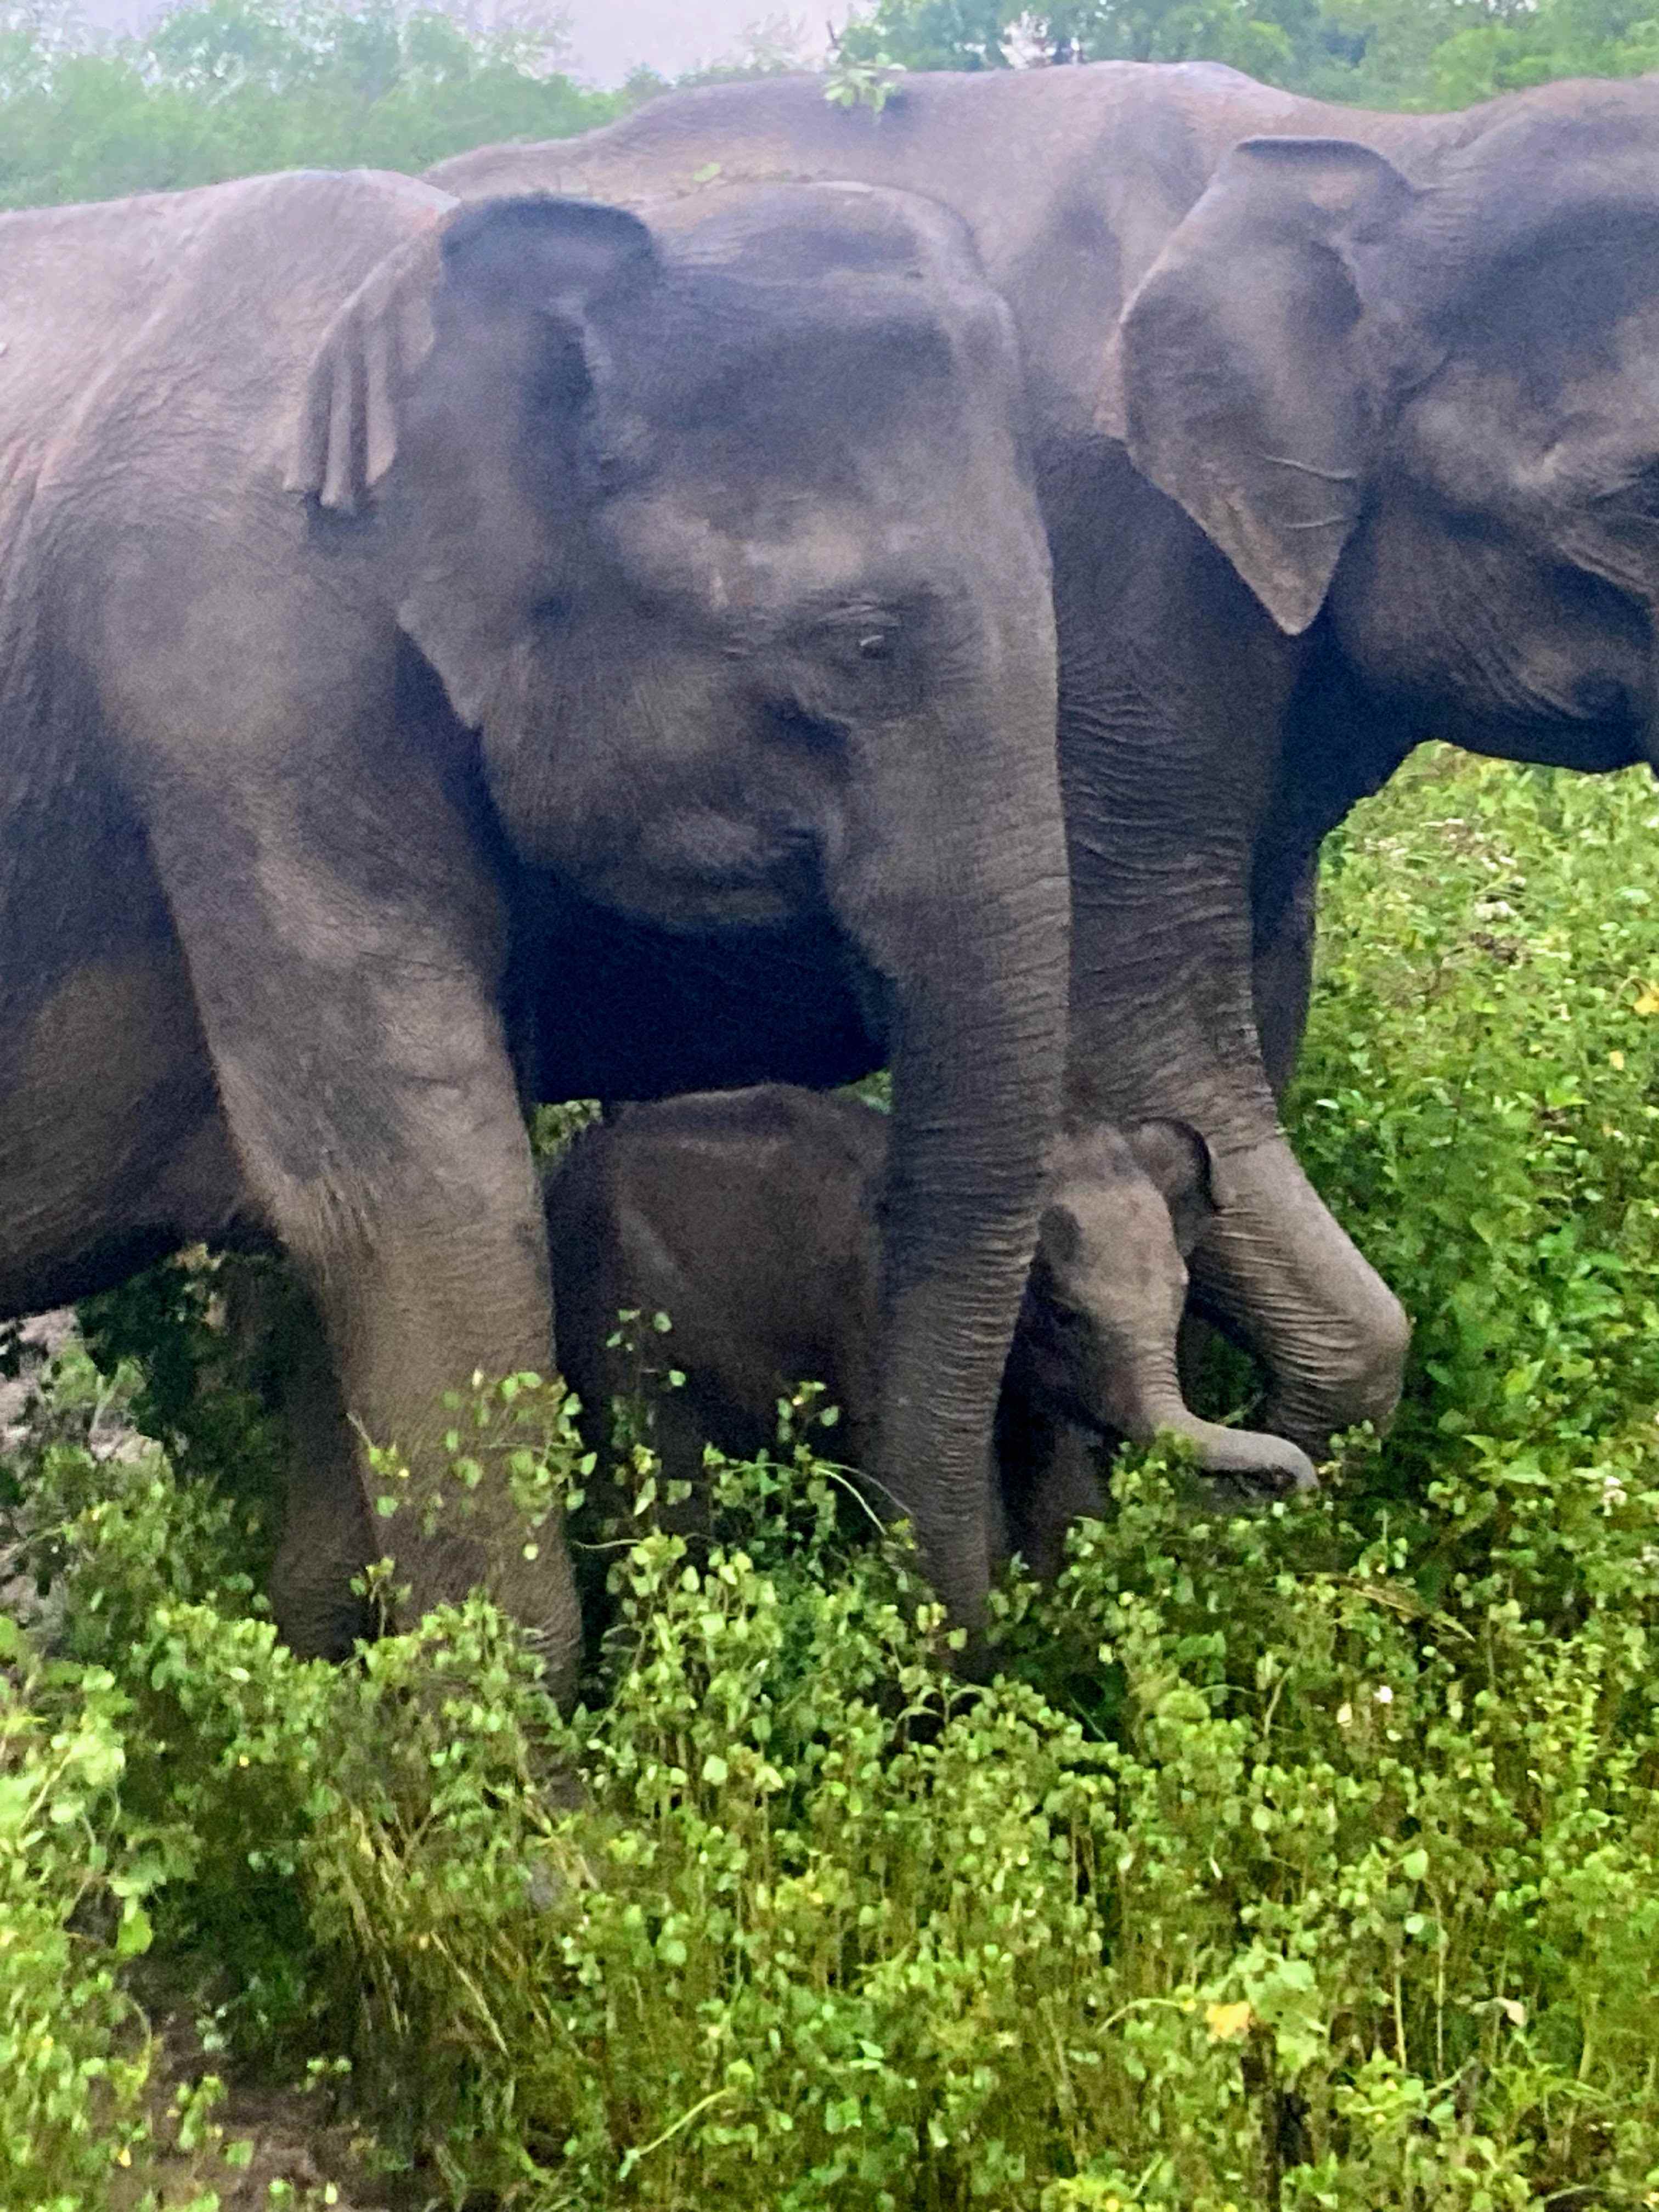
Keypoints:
pixel 355 549
pixel 1348 434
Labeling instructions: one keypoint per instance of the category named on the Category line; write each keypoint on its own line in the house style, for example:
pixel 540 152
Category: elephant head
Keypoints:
pixel 1122 1210
pixel 1432 406
pixel 719 532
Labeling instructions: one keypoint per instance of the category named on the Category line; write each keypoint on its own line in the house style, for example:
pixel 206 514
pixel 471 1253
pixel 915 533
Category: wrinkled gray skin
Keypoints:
pixel 355 549
pixel 1348 435
pixel 752 1219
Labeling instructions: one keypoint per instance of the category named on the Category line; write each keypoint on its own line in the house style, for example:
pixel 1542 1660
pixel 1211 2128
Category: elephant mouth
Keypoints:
pixel 1622 734
pixel 695 907
pixel 710 875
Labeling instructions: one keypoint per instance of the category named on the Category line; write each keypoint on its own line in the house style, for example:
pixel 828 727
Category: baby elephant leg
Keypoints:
pixel 1066 1488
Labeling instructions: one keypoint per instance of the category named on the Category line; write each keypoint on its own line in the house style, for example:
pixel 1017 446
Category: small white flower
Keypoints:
pixel 1383 1694
pixel 1344 1714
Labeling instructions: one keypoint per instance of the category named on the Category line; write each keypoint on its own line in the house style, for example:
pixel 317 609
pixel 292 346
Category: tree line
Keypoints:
pixel 1372 53
pixel 233 88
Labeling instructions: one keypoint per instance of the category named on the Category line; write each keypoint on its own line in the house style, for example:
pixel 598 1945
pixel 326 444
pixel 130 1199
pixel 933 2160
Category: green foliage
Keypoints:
pixel 867 80
pixel 1374 53
pixel 73 2062
pixel 1480 1088
pixel 234 87
pixel 979 34
pixel 769 45
pixel 1306 1862
pixel 552 1127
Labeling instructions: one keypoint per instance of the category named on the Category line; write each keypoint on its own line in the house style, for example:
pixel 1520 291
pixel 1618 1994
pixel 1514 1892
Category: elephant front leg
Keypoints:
pixel 1273 1269
pixel 276 1339
pixel 1174 692
pixel 363 1073
pixel 1281 984
pixel 424 1256
pixel 455 1291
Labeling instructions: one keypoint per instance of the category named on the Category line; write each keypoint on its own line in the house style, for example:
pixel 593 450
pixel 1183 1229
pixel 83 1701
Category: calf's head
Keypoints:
pixel 1122 1210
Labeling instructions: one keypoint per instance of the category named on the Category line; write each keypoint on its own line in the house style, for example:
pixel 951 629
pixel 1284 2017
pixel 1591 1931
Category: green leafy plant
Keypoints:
pixel 855 79
pixel 1305 1862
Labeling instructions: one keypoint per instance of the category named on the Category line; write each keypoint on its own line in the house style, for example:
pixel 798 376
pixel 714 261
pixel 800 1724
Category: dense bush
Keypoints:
pixel 1310 1861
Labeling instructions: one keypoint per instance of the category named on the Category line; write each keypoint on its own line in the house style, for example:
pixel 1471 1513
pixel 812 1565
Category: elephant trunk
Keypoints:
pixel 964 912
pixel 1257 1465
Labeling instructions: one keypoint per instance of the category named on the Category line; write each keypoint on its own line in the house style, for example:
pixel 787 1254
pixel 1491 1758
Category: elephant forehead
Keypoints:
pixel 1552 379
pixel 743 555
pixel 1123 1243
pixel 788 380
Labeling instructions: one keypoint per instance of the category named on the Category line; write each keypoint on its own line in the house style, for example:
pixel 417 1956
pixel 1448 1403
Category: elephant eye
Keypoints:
pixel 1061 1318
pixel 874 653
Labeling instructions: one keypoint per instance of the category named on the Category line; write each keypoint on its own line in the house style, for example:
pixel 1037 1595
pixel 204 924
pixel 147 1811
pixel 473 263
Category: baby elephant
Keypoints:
pixel 751 1218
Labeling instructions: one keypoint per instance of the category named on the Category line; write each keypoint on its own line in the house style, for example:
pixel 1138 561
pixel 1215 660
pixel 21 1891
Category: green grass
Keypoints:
pixel 1310 1861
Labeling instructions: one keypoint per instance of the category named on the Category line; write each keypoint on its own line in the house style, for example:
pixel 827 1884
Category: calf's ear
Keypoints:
pixel 1179 1163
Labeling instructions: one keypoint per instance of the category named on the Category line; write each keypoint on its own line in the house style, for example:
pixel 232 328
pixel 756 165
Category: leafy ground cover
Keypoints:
pixel 1308 1860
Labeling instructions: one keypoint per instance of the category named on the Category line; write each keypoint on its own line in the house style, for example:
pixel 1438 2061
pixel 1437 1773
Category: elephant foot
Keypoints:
pixel 318 1615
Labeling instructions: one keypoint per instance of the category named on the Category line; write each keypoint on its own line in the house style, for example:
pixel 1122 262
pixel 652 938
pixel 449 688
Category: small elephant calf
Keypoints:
pixel 752 1217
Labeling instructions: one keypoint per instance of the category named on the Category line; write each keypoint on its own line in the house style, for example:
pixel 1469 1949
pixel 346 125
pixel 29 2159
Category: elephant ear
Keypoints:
pixel 348 434
pixel 454 353
pixel 1177 1160
pixel 1252 376
pixel 502 258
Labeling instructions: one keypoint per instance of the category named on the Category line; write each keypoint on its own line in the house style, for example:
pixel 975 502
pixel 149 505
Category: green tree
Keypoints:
pixel 1381 53
pixel 234 87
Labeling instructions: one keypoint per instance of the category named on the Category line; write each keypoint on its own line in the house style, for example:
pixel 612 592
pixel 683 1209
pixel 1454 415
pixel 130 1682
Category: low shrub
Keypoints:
pixel 1308 1860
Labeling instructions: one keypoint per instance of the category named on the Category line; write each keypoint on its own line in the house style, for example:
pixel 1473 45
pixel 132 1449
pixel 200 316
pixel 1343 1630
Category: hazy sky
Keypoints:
pixel 609 36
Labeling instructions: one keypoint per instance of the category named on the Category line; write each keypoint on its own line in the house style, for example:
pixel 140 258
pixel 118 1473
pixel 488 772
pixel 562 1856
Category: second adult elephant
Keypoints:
pixel 368 548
